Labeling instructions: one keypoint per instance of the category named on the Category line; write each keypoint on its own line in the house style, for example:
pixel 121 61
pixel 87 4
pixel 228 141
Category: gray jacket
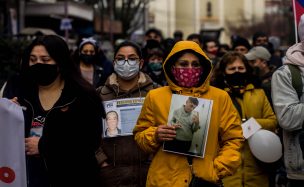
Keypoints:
pixel 185 132
pixel 290 111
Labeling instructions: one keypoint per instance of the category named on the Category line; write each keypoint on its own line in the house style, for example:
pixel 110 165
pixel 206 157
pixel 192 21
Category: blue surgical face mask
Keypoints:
pixel 126 71
pixel 155 66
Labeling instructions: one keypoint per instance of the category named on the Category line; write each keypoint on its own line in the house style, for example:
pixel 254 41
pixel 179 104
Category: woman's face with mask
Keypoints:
pixel 87 54
pixel 187 70
pixel 127 63
pixel 155 64
pixel 40 55
pixel 235 73
pixel 42 67
pixel 88 49
pixel 236 66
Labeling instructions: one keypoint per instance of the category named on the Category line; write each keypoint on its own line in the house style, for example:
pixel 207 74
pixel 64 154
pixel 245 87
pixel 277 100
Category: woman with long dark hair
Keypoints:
pixel 234 75
pixel 62 114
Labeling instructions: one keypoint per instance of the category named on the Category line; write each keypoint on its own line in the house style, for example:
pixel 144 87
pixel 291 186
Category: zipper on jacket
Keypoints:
pixel 41 155
pixel 114 159
pixel 61 106
pixel 243 165
pixel 139 89
pixel 27 160
pixel 32 112
pixel 140 168
pixel 190 163
pixel 45 121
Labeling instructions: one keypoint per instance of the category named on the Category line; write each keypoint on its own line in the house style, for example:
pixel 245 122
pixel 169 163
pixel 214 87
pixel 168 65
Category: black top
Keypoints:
pixel 70 137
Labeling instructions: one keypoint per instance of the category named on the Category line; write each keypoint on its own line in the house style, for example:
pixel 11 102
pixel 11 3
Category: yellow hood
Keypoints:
pixel 193 47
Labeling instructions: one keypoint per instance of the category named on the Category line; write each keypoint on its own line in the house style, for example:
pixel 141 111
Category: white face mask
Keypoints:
pixel 126 71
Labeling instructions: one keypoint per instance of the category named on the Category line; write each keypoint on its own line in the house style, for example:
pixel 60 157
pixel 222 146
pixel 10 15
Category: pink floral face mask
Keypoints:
pixel 187 77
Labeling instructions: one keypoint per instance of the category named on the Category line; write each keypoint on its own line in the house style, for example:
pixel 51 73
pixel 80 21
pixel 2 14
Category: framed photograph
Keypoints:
pixel 191 118
pixel 121 116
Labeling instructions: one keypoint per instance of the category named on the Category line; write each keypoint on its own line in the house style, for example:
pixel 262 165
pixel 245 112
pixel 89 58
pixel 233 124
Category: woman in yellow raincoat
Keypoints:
pixel 187 70
pixel 234 75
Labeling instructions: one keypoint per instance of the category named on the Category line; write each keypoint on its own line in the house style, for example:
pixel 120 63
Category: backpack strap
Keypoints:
pixel 296 79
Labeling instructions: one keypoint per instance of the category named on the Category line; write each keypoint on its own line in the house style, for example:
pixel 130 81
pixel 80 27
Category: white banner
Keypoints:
pixel 12 147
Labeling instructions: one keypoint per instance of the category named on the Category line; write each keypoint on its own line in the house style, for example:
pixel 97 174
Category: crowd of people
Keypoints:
pixel 63 94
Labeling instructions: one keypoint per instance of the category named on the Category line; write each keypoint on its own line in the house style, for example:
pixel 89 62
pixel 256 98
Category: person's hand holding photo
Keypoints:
pixel 165 133
pixel 177 125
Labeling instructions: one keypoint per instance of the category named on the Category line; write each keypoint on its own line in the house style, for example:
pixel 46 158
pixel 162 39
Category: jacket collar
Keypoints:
pixel 68 95
pixel 143 80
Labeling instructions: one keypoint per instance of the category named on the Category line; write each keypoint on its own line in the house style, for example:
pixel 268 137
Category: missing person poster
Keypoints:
pixel 121 116
pixel 191 118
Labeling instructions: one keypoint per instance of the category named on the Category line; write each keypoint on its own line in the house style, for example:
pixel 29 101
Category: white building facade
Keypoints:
pixel 191 16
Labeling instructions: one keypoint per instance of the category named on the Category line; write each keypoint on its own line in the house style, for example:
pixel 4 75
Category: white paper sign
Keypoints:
pixel 250 127
pixel 12 147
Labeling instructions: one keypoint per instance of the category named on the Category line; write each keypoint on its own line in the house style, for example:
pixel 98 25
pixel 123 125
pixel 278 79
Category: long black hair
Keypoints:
pixel 60 53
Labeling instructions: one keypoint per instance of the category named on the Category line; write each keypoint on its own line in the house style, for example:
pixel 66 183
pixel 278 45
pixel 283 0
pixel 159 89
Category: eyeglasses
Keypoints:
pixel 122 61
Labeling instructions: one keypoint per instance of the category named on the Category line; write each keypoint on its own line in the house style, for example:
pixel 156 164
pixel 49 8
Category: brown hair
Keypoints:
pixel 228 58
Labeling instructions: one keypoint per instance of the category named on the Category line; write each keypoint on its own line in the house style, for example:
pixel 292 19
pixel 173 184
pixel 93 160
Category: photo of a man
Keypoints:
pixel 112 124
pixel 186 122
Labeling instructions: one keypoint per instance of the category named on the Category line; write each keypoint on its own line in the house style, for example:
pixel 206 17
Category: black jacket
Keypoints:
pixel 71 135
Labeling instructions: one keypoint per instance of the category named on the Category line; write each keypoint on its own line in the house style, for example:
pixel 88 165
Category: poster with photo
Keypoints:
pixel 121 116
pixel 191 118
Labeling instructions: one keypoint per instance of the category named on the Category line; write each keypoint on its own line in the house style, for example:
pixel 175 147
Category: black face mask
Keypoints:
pixel 236 79
pixel 256 71
pixel 87 59
pixel 43 74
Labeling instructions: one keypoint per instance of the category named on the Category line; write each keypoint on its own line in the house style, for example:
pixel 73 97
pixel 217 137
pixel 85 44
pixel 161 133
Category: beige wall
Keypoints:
pixel 213 21
pixel 164 15
pixel 233 14
pixel 186 17
pixel 191 15
pixel 240 10
pixel 254 9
